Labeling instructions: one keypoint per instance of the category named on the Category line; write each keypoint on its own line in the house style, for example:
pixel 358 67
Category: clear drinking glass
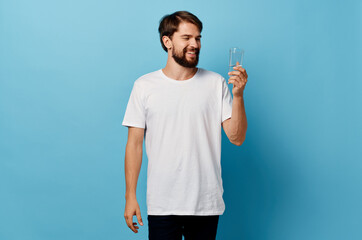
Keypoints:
pixel 236 55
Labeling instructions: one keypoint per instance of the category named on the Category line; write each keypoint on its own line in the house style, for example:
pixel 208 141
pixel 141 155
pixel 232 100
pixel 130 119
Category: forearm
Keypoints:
pixel 238 121
pixel 133 162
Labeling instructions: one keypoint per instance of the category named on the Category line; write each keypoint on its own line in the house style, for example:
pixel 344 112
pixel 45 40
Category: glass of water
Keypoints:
pixel 236 55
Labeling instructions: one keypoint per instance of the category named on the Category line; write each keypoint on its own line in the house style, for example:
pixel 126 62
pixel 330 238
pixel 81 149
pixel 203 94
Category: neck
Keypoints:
pixel 176 71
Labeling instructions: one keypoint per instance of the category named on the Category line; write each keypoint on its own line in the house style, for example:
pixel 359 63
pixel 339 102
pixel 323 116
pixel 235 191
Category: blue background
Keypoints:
pixel 67 69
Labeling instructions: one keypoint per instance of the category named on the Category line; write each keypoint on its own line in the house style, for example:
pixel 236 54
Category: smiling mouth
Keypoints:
pixel 192 53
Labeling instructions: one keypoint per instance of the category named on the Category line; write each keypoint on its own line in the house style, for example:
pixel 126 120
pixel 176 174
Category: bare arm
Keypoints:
pixel 133 162
pixel 236 126
pixel 133 159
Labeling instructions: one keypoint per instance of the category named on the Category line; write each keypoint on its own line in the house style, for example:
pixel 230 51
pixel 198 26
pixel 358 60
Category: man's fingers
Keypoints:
pixel 235 83
pixel 238 73
pixel 139 218
pixel 235 73
pixel 134 227
pixel 240 68
pixel 238 78
pixel 129 221
pixel 235 78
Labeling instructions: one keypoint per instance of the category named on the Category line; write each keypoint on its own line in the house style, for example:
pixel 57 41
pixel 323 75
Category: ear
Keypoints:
pixel 167 42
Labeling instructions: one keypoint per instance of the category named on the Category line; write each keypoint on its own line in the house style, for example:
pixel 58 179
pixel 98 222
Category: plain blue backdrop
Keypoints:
pixel 66 72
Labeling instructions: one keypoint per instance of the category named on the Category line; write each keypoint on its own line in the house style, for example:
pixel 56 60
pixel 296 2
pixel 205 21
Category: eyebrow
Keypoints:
pixel 188 35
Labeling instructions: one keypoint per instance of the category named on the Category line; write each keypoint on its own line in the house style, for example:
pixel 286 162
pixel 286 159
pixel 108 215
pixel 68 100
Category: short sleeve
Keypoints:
pixel 227 101
pixel 135 112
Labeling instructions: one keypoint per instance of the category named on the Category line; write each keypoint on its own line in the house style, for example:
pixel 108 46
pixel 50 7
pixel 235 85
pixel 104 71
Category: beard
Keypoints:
pixel 182 60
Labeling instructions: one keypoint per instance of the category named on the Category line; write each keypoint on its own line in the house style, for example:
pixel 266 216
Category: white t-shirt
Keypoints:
pixel 182 121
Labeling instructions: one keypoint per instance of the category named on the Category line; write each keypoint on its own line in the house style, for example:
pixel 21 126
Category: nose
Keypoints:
pixel 194 43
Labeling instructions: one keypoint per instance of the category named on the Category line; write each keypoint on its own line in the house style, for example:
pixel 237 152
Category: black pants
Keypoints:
pixel 192 227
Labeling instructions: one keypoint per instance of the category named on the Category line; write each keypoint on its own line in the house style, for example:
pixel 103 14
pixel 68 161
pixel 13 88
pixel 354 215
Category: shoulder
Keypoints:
pixel 210 73
pixel 145 79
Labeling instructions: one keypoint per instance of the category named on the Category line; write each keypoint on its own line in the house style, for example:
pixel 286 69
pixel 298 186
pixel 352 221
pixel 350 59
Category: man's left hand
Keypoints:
pixel 239 79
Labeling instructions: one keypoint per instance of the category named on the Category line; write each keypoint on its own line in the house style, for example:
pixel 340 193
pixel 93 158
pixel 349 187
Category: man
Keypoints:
pixel 180 110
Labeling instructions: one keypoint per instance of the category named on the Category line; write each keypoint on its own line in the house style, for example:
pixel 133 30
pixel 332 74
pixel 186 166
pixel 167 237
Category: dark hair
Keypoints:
pixel 169 24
